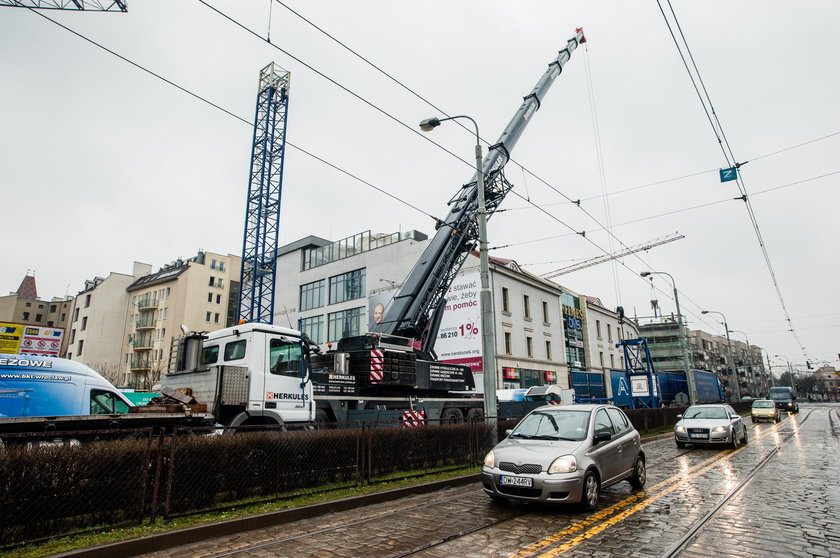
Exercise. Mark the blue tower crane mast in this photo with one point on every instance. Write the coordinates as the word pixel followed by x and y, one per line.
pixel 262 212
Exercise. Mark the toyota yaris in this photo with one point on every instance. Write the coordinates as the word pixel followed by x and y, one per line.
pixel 565 454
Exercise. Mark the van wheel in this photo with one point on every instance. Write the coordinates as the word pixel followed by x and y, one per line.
pixel 639 473
pixel 591 489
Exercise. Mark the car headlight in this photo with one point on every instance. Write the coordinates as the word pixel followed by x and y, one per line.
pixel 790 404
pixel 490 459
pixel 680 428
pixel 719 429
pixel 563 464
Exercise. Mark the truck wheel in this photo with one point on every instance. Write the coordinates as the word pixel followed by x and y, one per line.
pixel 451 415
pixel 475 415
pixel 322 420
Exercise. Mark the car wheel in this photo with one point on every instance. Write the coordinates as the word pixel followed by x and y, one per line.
pixel 777 419
pixel 639 473
pixel 591 490
pixel 734 442
pixel 745 436
pixel 754 421
pixel 680 444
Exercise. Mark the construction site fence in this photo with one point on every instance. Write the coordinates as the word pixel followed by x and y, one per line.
pixel 88 480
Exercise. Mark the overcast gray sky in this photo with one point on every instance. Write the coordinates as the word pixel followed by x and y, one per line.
pixel 103 164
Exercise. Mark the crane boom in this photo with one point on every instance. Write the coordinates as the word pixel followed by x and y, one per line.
pixel 607 257
pixel 78 5
pixel 416 309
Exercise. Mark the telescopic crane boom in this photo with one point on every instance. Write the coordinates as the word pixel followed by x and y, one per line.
pixel 418 306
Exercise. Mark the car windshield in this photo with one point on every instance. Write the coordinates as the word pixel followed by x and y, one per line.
pixel 553 425
pixel 763 405
pixel 705 413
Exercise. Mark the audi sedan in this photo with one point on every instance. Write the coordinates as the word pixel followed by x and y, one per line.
pixel 716 424
pixel 565 454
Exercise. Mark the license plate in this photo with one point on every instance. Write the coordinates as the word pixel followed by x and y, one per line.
pixel 516 481
pixel 698 435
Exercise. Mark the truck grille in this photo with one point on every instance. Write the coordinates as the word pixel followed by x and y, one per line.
pixel 530 468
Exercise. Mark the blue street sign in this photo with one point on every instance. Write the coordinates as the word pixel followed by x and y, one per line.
pixel 728 174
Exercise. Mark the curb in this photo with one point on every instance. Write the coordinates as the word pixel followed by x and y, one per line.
pixel 164 541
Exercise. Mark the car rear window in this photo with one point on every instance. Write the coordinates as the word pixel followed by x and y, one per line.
pixel 762 404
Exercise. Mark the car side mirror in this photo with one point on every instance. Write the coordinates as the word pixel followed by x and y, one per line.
pixel 679 417
pixel 602 437
pixel 508 431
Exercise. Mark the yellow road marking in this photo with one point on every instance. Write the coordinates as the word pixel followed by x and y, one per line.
pixel 691 473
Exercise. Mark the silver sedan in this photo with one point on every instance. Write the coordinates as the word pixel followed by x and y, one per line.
pixel 717 424
pixel 565 454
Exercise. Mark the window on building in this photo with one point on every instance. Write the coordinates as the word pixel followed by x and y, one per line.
pixel 28 304
pixel 505 300
pixel 609 333
pixel 220 282
pixel 218 299
pixel 221 266
pixel 526 301
pixel 81 346
pixel 212 281
pixel 63 316
pixel 76 315
pixel 347 286
pixel 212 264
pixel 529 346
pixel 39 317
pixel 598 328
pixel 207 317
pixel 26 315
pixel 312 295
pixel 548 349
pixel 612 361
pixel 53 308
pixel 84 323
pixel 313 327
pixel 40 307
pixel 545 312
pixel 72 336
pixel 209 297
pixel 87 301
pixel 508 343
pixel 345 324
pixel 601 358
pixel 50 323
pixel 216 318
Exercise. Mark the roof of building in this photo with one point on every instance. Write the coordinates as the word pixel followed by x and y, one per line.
pixel 162 276
pixel 27 288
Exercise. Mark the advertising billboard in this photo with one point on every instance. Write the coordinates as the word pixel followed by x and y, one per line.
pixel 459 337
pixel 21 339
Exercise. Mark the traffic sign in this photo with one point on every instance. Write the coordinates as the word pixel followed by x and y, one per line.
pixel 729 174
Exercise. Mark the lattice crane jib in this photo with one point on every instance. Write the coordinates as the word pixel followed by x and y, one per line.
pixel 262 212
pixel 77 5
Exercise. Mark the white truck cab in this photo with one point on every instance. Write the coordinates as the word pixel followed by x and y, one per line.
pixel 247 374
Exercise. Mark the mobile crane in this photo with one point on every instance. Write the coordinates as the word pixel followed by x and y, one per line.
pixel 258 373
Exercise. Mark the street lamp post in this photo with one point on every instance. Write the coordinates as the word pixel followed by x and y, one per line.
pixel 729 350
pixel 488 335
pixel 689 378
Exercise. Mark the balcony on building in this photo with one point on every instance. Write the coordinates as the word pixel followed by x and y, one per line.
pixel 145 321
pixel 147 303
pixel 143 343
pixel 140 364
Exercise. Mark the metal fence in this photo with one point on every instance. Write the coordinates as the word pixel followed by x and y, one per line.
pixel 50 487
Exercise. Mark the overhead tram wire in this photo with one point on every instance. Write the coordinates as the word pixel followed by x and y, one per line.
pixel 728 154
pixel 229 113
pixel 577 202
pixel 377 68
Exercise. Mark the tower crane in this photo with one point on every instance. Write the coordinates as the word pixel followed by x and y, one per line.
pixel 262 212
pixel 607 257
pixel 78 5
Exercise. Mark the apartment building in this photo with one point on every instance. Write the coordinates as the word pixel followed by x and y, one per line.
pixel 199 293
pixel 25 307
pixel 98 319
pixel 711 352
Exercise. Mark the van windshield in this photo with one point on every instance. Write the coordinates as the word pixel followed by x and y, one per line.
pixel 780 395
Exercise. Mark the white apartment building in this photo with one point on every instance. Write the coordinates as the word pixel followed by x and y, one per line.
pixel 605 329
pixel 334 289
pixel 97 321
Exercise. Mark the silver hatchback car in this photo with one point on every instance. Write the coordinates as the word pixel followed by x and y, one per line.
pixel 565 454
